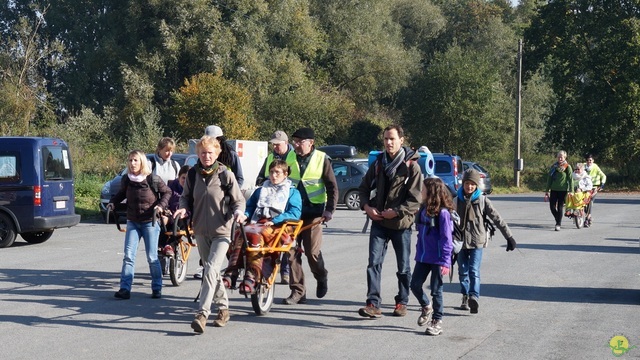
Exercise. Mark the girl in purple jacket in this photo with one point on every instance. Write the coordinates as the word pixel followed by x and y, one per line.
pixel 433 251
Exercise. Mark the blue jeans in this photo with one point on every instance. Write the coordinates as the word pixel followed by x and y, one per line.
pixel 149 232
pixel 378 242
pixel 469 271
pixel 420 273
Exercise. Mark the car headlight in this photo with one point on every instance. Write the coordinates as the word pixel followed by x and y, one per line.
pixel 106 190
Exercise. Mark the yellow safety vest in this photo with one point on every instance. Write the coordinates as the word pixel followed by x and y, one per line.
pixel 290 160
pixel 312 178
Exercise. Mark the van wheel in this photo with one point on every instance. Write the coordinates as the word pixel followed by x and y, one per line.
pixel 7 231
pixel 37 237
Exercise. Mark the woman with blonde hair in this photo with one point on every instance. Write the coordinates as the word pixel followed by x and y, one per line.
pixel 144 192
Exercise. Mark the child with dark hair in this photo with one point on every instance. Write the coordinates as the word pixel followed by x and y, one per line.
pixel 433 251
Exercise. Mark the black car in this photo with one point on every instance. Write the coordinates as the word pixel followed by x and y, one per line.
pixel 113 186
pixel 349 174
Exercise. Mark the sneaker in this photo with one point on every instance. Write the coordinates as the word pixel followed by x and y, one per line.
pixel 370 311
pixel 295 298
pixel 586 223
pixel 465 303
pixel 123 294
pixel 322 289
pixel 168 251
pixel 557 227
pixel 199 323
pixel 473 304
pixel 222 319
pixel 284 279
pixel 424 318
pixel 198 274
pixel 156 294
pixel 400 310
pixel 434 328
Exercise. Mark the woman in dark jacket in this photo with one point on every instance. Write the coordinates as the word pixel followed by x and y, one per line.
pixel 144 193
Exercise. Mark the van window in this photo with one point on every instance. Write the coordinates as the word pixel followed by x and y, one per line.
pixel 9 162
pixel 55 163
pixel 442 167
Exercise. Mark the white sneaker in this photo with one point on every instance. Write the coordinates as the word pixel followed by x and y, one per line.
pixel 198 274
pixel 557 227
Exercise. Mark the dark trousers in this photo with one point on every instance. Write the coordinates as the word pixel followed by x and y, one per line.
pixel 311 243
pixel 556 204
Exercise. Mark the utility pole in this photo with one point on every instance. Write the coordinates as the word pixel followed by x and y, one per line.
pixel 518 163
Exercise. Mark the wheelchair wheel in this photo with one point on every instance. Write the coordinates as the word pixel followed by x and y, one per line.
pixel 262 299
pixel 178 267
pixel 579 220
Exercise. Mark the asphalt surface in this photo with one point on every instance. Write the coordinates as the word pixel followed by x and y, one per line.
pixel 560 295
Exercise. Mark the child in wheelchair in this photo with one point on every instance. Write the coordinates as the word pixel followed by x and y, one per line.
pixel 275 202
pixel 166 241
pixel 583 186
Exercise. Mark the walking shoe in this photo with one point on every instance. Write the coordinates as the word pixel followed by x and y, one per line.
pixel 400 310
pixel 322 289
pixel 295 298
pixel 199 323
pixel 567 213
pixel 557 227
pixel 168 251
pixel 123 294
pixel 434 328
pixel 222 319
pixel 424 318
pixel 156 294
pixel 473 304
pixel 370 311
pixel 465 303
pixel 198 274
pixel 284 279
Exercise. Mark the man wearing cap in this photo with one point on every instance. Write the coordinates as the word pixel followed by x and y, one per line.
pixel 282 150
pixel 391 193
pixel 313 176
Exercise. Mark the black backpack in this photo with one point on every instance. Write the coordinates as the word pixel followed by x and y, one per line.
pixel 225 184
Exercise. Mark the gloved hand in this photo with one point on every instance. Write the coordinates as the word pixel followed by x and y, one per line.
pixel 511 244
pixel 602 186
pixel 327 215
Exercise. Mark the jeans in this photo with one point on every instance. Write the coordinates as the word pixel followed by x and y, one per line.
pixel 469 271
pixel 378 242
pixel 149 233
pixel 420 273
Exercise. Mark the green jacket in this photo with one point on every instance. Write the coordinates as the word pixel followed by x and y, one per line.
pixel 560 180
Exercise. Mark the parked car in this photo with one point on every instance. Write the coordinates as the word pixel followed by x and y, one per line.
pixel 36 189
pixel 448 167
pixel 113 186
pixel 485 177
pixel 349 175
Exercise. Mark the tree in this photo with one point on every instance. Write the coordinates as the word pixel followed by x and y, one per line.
pixel 207 99
pixel 592 52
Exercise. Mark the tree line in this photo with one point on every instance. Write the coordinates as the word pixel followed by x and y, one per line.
pixel 109 75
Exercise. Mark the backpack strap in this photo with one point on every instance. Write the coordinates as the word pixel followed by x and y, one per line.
pixel 152 181
pixel 225 185
pixel 191 180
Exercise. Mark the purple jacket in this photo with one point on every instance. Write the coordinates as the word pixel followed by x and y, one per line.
pixel 174 200
pixel 434 244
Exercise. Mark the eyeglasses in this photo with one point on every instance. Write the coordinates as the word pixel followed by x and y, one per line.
pixel 299 141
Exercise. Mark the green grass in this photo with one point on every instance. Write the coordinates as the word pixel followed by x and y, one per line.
pixel 88 189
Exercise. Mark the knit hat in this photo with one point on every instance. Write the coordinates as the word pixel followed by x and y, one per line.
pixel 304 133
pixel 472 175
pixel 213 131
pixel 279 137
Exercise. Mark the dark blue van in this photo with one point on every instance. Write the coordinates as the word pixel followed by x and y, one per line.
pixel 36 189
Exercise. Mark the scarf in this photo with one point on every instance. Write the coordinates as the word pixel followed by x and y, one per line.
pixel 272 200
pixel 390 166
pixel 206 172
pixel 558 167
pixel 469 213
pixel 137 178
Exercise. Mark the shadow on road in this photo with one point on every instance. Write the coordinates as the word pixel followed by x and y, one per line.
pixel 608 249
pixel 563 294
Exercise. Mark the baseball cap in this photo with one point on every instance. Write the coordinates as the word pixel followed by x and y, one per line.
pixel 278 137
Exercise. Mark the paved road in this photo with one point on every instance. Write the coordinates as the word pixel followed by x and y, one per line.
pixel 559 295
